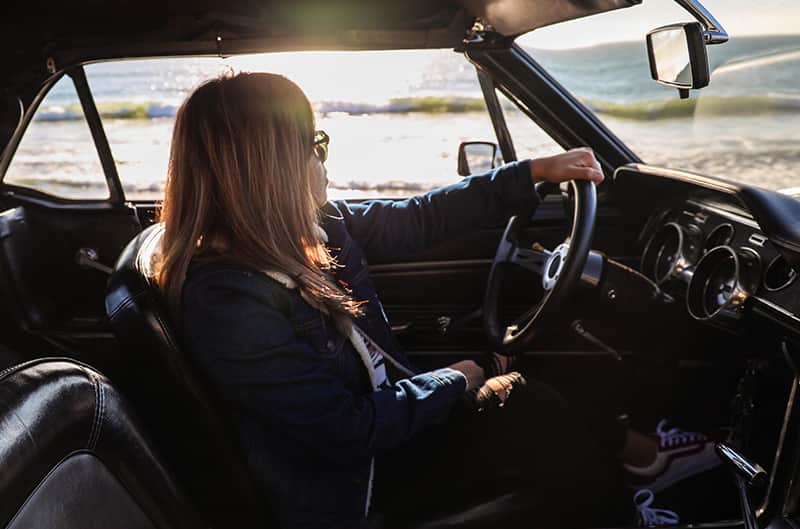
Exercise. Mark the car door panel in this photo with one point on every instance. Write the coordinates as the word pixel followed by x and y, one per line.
pixel 52 235
pixel 434 299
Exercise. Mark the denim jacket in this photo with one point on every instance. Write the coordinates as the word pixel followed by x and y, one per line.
pixel 298 391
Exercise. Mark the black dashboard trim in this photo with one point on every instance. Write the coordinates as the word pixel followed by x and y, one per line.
pixel 776 314
pixel 777 215
pixel 708 182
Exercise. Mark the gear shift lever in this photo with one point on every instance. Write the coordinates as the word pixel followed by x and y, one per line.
pixel 753 474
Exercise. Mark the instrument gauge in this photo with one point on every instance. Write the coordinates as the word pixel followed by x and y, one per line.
pixel 721 283
pixel 671 252
pixel 722 235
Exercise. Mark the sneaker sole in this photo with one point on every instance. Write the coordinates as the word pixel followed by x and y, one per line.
pixel 682 468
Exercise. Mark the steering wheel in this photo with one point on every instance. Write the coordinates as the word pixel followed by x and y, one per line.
pixel 559 269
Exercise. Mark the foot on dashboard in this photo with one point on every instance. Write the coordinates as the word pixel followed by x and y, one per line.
pixel 681 454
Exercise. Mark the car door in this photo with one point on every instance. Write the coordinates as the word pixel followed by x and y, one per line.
pixel 63 221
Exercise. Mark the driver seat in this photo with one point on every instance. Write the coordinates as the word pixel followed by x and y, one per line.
pixel 180 410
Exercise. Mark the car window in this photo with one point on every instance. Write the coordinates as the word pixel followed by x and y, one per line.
pixel 56 154
pixel 530 141
pixel 395 118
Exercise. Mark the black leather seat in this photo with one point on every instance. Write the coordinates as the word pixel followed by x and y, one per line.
pixel 72 455
pixel 183 414
pixel 24 261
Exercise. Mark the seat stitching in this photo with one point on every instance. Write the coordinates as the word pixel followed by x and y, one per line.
pixel 90 444
pixel 102 415
pixel 172 345
pixel 128 301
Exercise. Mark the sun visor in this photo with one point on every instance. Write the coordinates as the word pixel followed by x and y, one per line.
pixel 514 17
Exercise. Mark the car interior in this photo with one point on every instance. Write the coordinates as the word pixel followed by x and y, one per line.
pixel 670 294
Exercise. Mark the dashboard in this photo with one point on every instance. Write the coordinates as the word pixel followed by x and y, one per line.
pixel 706 247
pixel 716 260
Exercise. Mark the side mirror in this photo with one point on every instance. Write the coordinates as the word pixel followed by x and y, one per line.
pixel 678 56
pixel 478 157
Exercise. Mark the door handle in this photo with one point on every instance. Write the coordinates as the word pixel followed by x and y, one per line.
pixel 88 258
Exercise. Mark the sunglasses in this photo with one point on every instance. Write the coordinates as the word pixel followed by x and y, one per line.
pixel 321 141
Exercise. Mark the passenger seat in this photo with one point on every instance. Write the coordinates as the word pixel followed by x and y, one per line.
pixel 73 456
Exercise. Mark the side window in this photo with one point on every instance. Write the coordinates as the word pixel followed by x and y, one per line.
pixel 530 141
pixel 57 154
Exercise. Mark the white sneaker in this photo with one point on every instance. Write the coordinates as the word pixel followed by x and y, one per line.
pixel 680 455
pixel 647 516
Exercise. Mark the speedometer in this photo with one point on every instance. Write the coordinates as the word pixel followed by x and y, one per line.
pixel 721 283
pixel 720 236
pixel 671 251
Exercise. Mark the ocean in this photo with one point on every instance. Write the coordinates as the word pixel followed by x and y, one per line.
pixel 396 118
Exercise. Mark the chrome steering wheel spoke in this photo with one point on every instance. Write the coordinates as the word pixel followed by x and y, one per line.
pixel 530 259
pixel 522 321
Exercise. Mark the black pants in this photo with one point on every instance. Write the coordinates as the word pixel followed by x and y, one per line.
pixel 531 463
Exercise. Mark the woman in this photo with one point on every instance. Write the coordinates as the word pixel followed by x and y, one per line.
pixel 270 284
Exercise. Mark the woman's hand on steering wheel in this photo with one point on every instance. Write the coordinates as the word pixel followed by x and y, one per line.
pixel 574 164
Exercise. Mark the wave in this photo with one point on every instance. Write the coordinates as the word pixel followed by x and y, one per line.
pixel 639 110
pixel 707 106
pixel 155 110
pixel 115 110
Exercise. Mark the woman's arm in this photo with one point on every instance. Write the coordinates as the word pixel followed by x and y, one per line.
pixel 387 229
pixel 251 353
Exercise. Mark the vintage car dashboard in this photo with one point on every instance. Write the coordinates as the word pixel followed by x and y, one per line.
pixel 712 247
pixel 716 260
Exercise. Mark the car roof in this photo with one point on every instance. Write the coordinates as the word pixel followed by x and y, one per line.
pixel 99 29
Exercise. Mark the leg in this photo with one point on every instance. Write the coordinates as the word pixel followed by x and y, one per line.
pixel 532 444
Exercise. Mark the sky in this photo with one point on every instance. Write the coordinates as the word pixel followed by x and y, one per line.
pixel 738 17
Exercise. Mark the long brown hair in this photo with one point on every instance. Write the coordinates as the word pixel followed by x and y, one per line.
pixel 239 187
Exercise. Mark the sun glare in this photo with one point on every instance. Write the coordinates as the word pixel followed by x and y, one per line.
pixel 366 77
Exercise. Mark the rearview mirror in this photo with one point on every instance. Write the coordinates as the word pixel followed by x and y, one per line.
pixel 678 56
pixel 478 157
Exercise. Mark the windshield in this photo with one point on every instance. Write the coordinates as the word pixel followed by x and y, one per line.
pixel 742 127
